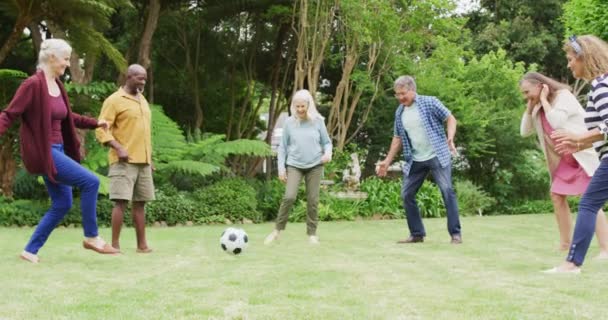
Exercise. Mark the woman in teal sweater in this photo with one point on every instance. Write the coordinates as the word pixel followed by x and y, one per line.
pixel 305 146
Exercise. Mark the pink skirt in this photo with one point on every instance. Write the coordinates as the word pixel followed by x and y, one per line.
pixel 569 178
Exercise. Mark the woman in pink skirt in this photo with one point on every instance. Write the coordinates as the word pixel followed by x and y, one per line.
pixel 551 106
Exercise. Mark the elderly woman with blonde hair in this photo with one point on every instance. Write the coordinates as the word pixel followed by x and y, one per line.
pixel 50 147
pixel 552 106
pixel 305 146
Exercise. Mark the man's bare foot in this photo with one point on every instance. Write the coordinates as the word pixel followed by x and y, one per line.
pixel 143 250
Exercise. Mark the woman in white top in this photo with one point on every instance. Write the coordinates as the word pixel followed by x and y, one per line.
pixel 551 106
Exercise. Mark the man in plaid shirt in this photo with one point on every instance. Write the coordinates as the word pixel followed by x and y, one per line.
pixel 419 130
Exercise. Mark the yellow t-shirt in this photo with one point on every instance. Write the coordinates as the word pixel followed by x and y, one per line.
pixel 129 123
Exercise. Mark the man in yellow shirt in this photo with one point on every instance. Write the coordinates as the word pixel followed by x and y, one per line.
pixel 129 135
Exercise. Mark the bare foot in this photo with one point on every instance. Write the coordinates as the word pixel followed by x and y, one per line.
pixel 565 267
pixel 143 250
pixel 603 255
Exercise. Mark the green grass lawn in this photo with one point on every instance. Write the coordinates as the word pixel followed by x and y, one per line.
pixel 358 272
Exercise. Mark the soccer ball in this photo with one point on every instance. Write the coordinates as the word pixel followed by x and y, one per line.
pixel 234 240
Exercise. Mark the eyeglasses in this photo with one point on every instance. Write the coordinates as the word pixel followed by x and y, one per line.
pixel 401 94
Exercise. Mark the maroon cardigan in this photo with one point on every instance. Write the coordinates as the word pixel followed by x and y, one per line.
pixel 31 104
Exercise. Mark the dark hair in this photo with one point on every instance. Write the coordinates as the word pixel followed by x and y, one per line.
pixel 554 85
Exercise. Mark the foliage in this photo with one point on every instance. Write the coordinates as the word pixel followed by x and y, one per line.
pixel 27 186
pixel 585 17
pixel 341 160
pixel 96 90
pixel 472 200
pixel 172 207
pixel 175 157
pixel 383 197
pixel 269 196
pixel 508 25
pixel 168 140
pixel 233 199
pixel 329 209
pixel 21 212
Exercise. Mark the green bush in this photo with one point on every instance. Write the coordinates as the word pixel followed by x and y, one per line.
pixel 472 200
pixel 269 196
pixel 27 186
pixel 383 197
pixel 172 207
pixel 232 198
pixel 329 209
pixel 21 212
pixel 430 201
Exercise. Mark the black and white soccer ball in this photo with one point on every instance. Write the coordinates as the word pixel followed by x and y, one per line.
pixel 234 241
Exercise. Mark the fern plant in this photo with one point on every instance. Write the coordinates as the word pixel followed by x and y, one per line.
pixel 174 155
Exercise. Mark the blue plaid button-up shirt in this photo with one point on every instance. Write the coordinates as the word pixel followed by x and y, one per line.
pixel 433 114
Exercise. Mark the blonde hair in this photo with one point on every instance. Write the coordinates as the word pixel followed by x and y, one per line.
pixel 538 78
pixel 52 47
pixel 311 110
pixel 592 52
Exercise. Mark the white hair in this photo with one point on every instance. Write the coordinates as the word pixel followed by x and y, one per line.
pixel 406 82
pixel 306 97
pixel 52 47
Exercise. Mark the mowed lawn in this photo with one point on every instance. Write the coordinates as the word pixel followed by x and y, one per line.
pixel 358 272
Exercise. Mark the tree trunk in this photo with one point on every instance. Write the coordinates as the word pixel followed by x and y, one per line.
pixel 13 38
pixel 8 165
pixel 145 43
pixel 34 27
pixel 313 39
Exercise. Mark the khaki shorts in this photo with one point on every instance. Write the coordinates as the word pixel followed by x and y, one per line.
pixel 131 182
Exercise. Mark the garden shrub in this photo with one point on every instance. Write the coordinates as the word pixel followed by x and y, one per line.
pixel 27 186
pixel 472 200
pixel 232 198
pixel 21 212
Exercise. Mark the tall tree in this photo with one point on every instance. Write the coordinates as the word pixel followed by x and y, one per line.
pixel 529 31
pixel 83 19
pixel 313 25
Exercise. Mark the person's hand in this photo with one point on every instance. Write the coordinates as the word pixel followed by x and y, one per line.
pixel 566 142
pixel 382 168
pixel 122 154
pixel 567 148
pixel 102 124
pixel 283 177
pixel 544 92
pixel 529 106
pixel 325 158
pixel 452 147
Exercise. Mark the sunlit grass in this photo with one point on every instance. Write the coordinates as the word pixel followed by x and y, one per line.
pixel 358 272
